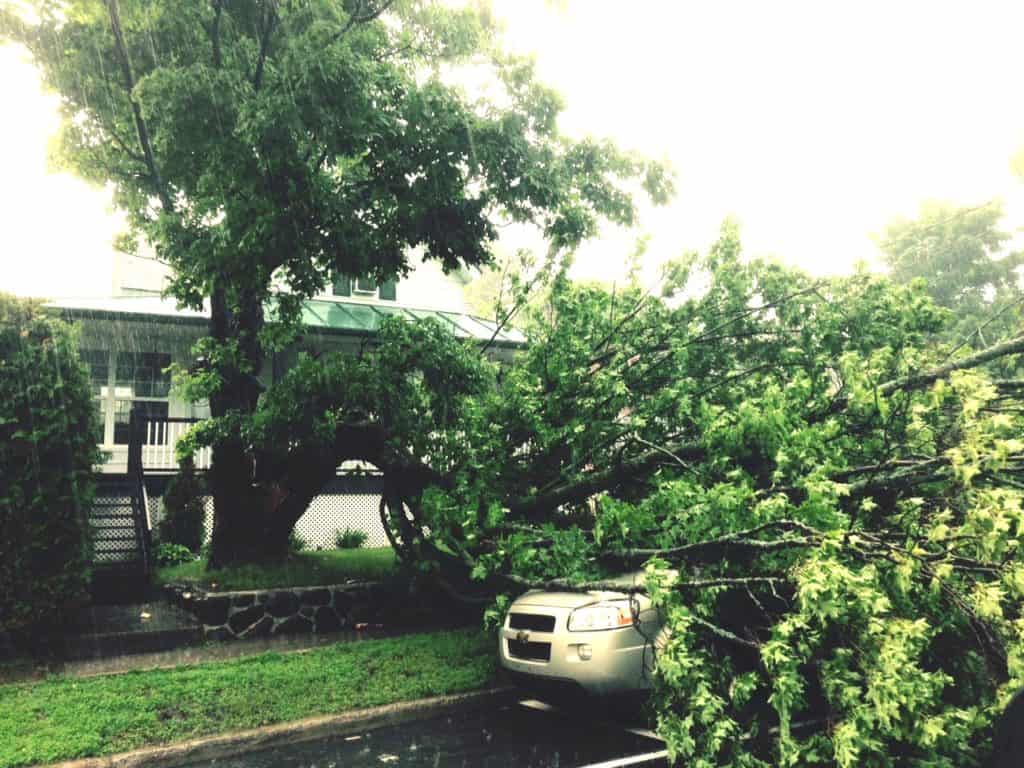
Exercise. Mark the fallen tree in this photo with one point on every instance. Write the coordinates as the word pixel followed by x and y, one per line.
pixel 828 510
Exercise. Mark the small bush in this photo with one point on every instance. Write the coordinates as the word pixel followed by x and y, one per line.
pixel 350 538
pixel 296 543
pixel 47 451
pixel 184 509
pixel 173 554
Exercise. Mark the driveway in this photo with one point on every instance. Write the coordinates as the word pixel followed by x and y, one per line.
pixel 527 734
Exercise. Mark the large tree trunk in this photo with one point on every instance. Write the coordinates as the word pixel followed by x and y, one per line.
pixel 252 521
pixel 256 506
pixel 239 521
pixel 243 513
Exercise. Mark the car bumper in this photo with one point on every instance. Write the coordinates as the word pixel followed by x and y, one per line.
pixel 620 659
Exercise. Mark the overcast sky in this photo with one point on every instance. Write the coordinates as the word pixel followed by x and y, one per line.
pixel 813 123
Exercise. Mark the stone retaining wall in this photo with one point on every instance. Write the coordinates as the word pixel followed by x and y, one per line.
pixel 230 615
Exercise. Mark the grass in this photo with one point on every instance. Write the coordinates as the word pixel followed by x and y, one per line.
pixel 305 569
pixel 66 718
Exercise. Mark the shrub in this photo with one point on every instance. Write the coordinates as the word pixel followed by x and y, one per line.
pixel 173 554
pixel 47 451
pixel 184 509
pixel 296 543
pixel 350 538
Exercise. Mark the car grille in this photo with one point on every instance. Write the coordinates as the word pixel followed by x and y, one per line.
pixel 534 621
pixel 529 650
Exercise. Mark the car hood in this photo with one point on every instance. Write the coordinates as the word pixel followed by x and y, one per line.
pixel 564 599
pixel 554 599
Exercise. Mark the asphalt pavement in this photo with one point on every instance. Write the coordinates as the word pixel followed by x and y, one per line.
pixel 526 734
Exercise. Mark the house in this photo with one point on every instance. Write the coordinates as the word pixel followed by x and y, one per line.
pixel 129 339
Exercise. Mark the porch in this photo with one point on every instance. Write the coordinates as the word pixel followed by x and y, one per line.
pixel 157 446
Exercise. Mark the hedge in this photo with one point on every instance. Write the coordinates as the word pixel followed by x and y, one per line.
pixel 47 451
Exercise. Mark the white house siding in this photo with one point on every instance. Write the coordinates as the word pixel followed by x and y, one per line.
pixel 426 286
pixel 110 340
pixel 139 275
pixel 149 324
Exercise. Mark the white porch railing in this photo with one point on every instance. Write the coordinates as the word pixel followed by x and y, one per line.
pixel 159 440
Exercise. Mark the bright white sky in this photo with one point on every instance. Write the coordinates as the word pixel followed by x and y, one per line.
pixel 812 123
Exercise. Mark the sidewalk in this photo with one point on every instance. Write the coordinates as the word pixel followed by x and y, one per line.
pixel 110 639
pixel 213 651
pixel 104 631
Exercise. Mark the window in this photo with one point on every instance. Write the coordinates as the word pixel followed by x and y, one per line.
pixel 141 374
pixel 100 428
pixel 121 381
pixel 343 285
pixel 97 361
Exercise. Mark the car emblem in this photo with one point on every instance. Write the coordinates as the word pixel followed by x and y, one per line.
pixel 522 636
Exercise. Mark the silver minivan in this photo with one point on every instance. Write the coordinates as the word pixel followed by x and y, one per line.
pixel 598 643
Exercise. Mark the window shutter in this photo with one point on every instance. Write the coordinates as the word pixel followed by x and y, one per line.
pixel 387 290
pixel 342 285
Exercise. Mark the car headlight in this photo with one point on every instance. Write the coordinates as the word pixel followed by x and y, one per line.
pixel 610 614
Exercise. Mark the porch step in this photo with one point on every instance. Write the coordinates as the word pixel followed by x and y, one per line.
pixel 106 540
pixel 119 575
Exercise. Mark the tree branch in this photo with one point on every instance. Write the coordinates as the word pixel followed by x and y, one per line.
pixel 917 381
pixel 710 333
pixel 586 486
pixel 141 129
pixel 268 23
pixel 359 16
pixel 565 585
pixel 740 540
pixel 218 8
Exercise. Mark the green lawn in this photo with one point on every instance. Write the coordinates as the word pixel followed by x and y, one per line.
pixel 304 569
pixel 65 718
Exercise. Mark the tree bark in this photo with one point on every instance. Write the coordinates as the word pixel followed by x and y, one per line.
pixel 244 514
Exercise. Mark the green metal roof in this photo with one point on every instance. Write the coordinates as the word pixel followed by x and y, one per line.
pixel 340 316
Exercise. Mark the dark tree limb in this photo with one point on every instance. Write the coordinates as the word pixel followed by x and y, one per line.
pixel 385 521
pixel 724 634
pixel 1013 346
pixel 668 452
pixel 978 331
pixel 600 480
pixel 741 540
pixel 123 144
pixel 710 333
pixel 114 11
pixel 218 8
pixel 617 328
pixel 362 15
pixel 567 585
pixel 267 25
